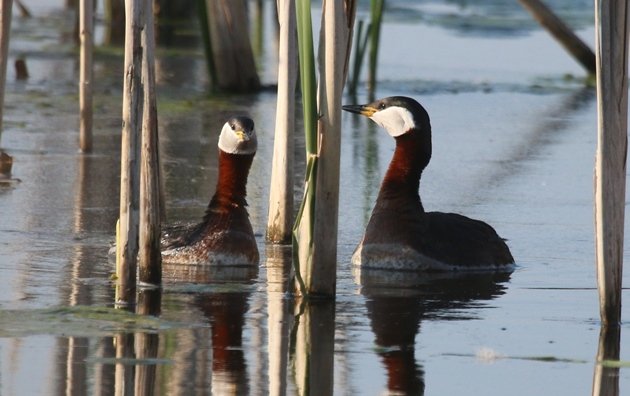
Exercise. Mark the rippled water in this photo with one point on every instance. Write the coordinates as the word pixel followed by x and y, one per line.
pixel 514 133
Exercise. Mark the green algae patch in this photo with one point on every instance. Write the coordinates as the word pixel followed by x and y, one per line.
pixel 488 355
pixel 80 321
pixel 129 361
pixel 549 359
pixel 615 363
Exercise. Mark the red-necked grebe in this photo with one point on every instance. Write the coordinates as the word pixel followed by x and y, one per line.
pixel 225 235
pixel 400 234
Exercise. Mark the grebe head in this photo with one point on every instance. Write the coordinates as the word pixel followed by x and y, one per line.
pixel 397 114
pixel 238 136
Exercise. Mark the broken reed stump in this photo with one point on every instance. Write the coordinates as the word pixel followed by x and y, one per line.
pixel 24 11
pixel 5 32
pixel 138 231
pixel 232 55
pixel 21 71
pixel 114 26
pixel 6 164
pixel 149 255
pixel 558 29
pixel 86 38
pixel 132 108
pixel 611 39
pixel 280 219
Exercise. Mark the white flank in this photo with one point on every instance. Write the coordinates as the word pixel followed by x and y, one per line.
pixel 394 256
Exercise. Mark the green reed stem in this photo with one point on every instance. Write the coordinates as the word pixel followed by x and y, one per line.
pixel 376 11
pixel 360 45
pixel 308 84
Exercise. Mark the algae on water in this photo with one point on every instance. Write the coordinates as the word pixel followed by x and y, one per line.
pixel 79 321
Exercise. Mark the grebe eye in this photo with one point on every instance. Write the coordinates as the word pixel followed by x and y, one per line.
pixel 232 126
pixel 381 106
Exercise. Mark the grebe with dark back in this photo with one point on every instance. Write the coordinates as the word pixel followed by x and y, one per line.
pixel 400 233
pixel 225 235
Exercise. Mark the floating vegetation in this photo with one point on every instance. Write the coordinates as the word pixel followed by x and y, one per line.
pixel 489 355
pixel 541 85
pixel 129 361
pixel 79 321
pixel 615 363
pixel 486 18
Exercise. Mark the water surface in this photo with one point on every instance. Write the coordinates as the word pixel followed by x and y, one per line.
pixel 514 135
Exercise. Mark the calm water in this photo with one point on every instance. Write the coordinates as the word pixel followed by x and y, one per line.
pixel 514 144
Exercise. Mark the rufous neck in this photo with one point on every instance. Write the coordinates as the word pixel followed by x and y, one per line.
pixel 232 181
pixel 411 156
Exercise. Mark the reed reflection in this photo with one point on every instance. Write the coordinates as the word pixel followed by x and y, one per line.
pixel 147 344
pixel 397 302
pixel 279 315
pixel 72 352
pixel 135 369
pixel 104 374
pixel 312 349
pixel 606 376
pixel 125 370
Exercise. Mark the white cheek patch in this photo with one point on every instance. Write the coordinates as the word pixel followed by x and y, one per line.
pixel 229 142
pixel 396 120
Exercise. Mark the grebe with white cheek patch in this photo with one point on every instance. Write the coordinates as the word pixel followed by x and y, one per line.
pixel 400 234
pixel 225 235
